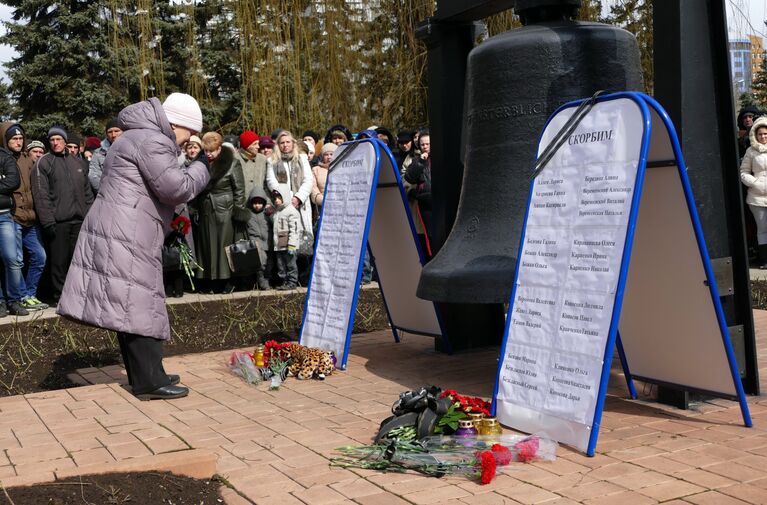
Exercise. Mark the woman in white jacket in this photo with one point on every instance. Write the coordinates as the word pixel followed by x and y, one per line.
pixel 753 173
pixel 288 171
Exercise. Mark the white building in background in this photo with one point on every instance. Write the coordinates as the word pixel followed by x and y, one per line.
pixel 740 65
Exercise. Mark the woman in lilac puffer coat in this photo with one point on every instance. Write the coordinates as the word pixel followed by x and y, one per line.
pixel 115 280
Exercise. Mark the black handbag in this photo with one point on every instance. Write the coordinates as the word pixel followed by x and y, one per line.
pixel 243 257
pixel 171 258
pixel 305 239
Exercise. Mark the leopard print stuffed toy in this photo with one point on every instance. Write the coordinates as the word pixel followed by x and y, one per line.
pixel 308 362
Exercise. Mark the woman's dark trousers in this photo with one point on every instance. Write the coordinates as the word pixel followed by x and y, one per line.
pixel 143 362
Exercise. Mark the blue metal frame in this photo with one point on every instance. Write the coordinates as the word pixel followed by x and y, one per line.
pixel 625 364
pixel 644 102
pixel 627 247
pixel 682 169
pixel 421 257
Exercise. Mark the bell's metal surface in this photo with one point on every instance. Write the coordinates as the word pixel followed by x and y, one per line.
pixel 515 81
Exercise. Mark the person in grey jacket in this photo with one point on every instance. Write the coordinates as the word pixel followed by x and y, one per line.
pixel 96 167
pixel 115 281
pixel 260 232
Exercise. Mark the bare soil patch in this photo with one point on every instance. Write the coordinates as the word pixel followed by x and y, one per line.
pixel 37 355
pixel 145 488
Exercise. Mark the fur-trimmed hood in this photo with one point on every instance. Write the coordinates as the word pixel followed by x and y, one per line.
pixel 760 122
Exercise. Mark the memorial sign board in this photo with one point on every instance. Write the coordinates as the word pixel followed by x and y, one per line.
pixel 573 265
pixel 364 202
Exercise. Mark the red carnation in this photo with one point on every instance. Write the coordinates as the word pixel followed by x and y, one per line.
pixel 181 224
pixel 487 466
pixel 503 454
pixel 527 449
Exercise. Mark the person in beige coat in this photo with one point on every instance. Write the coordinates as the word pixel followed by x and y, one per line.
pixel 753 173
pixel 321 173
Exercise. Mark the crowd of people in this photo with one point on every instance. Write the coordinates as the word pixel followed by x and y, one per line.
pixel 752 149
pixel 265 189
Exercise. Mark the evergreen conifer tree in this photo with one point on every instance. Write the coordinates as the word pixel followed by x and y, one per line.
pixel 747 99
pixel 60 74
pixel 759 86
pixel 635 16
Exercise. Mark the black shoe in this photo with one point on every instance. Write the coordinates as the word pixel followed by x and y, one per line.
pixel 15 309
pixel 286 287
pixel 164 393
pixel 174 379
pixel 3 310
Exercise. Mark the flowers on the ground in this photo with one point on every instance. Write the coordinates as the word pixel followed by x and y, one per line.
pixel 468 403
pixel 487 464
pixel 503 454
pixel 274 348
pixel 448 423
pixel 445 455
pixel 241 363
pixel 527 449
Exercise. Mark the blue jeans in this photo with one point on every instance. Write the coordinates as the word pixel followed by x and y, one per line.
pixel 28 239
pixel 13 259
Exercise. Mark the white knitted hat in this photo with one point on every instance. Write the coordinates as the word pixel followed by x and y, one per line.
pixel 183 110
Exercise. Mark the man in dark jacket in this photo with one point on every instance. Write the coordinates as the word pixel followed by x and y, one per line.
pixel 9 182
pixel 746 118
pixel 62 195
pixel 27 234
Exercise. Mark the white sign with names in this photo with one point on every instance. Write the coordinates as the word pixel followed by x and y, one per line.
pixel 568 273
pixel 335 275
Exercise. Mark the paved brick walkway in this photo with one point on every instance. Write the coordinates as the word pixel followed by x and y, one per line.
pixel 273 447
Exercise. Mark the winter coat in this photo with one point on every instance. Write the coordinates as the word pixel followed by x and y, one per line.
pixel 253 170
pixel 221 215
pixel 60 188
pixel 115 280
pixel 9 181
pixel 338 127
pixel 753 168
pixel 320 180
pixel 286 225
pixel 419 175
pixel 96 166
pixel 259 225
pixel 24 206
pixel 292 178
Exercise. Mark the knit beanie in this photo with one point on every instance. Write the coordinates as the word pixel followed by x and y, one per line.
pixel 311 133
pixel 113 123
pixel 57 130
pixel 35 143
pixel 92 143
pixel 328 148
pixel 196 140
pixel 14 130
pixel 266 141
pixel 248 137
pixel 183 110
pixel 73 138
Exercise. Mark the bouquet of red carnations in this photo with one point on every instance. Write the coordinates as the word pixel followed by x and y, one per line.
pixel 181 226
pixel 446 455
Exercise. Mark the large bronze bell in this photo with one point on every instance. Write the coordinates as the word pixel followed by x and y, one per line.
pixel 515 81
